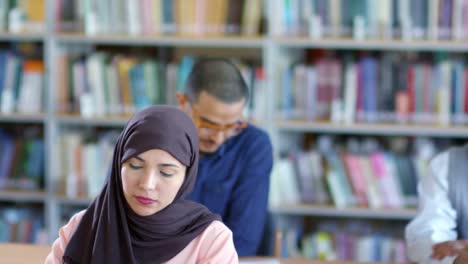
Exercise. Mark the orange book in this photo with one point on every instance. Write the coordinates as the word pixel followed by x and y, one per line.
pixel 124 65
pixel 33 66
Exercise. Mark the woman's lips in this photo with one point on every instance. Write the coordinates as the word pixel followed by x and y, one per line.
pixel 145 200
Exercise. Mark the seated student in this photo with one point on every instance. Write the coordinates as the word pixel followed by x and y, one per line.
pixel 141 215
pixel 439 232
pixel 236 156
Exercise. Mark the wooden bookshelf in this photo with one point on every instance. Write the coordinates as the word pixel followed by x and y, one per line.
pixel 73 201
pixel 372 44
pixel 373 129
pixel 331 211
pixel 163 40
pixel 72 119
pixel 15 37
pixel 270 49
pixel 23 196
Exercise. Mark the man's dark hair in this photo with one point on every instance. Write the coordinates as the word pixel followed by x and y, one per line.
pixel 219 78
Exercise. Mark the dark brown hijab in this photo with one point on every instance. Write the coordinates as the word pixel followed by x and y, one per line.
pixel 110 232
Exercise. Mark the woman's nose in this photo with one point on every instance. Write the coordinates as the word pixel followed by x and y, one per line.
pixel 149 181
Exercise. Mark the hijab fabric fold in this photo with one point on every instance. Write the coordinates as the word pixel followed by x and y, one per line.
pixel 110 232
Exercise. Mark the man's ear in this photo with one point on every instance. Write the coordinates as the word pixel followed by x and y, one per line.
pixel 181 101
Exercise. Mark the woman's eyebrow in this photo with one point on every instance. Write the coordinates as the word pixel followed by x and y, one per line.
pixel 168 165
pixel 139 158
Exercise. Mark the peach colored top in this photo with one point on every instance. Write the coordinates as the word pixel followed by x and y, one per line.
pixel 214 245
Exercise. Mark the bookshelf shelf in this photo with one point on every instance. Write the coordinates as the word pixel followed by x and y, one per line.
pixel 373 129
pixel 22 118
pixel 330 211
pixel 350 44
pixel 187 41
pixel 5 36
pixel 22 196
pixel 77 201
pixel 93 121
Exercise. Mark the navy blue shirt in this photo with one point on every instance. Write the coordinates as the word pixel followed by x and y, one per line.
pixel 234 181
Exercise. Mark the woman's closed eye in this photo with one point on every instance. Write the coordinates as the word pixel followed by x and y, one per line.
pixel 167 173
pixel 135 166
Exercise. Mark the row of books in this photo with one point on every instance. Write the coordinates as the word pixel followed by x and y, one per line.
pixel 85 160
pixel 22 225
pixel 382 87
pixel 103 84
pixel 22 159
pixel 368 19
pixel 17 16
pixel 22 83
pixel 150 17
pixel 347 240
pixel 353 172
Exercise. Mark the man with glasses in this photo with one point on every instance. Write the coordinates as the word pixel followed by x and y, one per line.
pixel 236 157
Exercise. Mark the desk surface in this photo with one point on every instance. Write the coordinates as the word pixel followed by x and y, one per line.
pixel 23 253
pixel 266 260
pixel 26 253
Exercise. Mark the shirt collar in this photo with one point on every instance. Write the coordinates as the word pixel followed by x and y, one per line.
pixel 218 154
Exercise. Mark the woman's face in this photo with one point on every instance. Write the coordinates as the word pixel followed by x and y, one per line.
pixel 151 181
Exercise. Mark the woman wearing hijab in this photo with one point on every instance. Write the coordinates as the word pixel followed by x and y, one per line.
pixel 141 216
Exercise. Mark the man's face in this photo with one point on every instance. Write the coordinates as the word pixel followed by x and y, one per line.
pixel 216 121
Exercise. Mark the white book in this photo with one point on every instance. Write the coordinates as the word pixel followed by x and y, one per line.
pixel 294 15
pixel 311 93
pixel 283 184
pixel 104 16
pixel 300 91
pixel 72 142
pixel 335 17
pixel 337 194
pixel 3 14
pixel 372 14
pixel 350 91
pixel 364 249
pixel 336 110
pixel 171 83
pixel 260 111
pixel 91 19
pixel 307 12
pixel 11 71
pixel 457 19
pixel 157 15
pixel 405 19
pixel 87 162
pixel 95 74
pixel 316 27
pixel 30 93
pixel 121 24
pixel 444 94
pixel 433 22
pixel 392 171
pixel 114 106
pixel 384 18
pixel 134 17
pixel 96 168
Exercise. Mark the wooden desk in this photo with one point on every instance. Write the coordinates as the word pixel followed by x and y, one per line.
pixel 11 253
pixel 22 253
pixel 264 260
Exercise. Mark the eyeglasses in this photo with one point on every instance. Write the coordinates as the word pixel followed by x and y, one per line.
pixel 208 128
